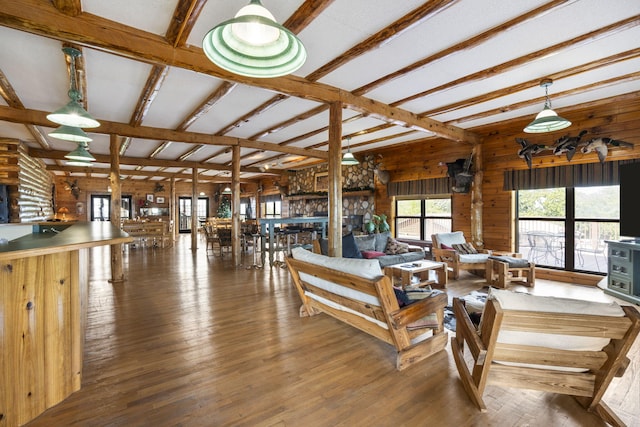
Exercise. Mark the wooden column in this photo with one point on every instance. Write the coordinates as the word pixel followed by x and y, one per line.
pixel 476 197
pixel 235 206
pixel 194 209
pixel 173 217
pixel 334 231
pixel 117 273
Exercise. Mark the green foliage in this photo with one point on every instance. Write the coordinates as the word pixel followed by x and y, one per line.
pixel 224 208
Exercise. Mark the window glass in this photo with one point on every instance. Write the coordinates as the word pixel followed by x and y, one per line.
pixel 438 207
pixel 598 202
pixel 418 219
pixel 545 203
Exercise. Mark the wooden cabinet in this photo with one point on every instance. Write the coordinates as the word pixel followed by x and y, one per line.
pixel 624 270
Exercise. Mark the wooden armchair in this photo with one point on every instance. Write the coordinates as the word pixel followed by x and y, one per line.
pixel 547 344
pixel 446 249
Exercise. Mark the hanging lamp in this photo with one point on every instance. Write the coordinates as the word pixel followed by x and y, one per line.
pixel 253 44
pixel 80 156
pixel 227 190
pixel 547 120
pixel 73 114
pixel 70 133
pixel 349 158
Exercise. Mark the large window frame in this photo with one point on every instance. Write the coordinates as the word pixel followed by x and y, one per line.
pixel 427 222
pixel 567 241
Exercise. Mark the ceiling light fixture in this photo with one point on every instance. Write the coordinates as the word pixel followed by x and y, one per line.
pixel 253 44
pixel 227 190
pixel 348 158
pixel 547 120
pixel 80 156
pixel 73 114
pixel 70 133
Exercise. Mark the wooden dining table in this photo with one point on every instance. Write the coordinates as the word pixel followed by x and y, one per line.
pixel 267 227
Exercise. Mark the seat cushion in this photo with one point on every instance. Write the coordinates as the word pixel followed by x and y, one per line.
pixel 513 262
pixel 474 258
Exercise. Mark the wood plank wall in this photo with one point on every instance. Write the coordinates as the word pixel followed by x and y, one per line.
pixel 30 186
pixel 618 119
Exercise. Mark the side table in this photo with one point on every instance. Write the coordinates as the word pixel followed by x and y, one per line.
pixel 419 269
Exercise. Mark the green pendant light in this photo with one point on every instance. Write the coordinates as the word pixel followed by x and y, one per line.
pixel 349 158
pixel 73 114
pixel 547 120
pixel 80 156
pixel 70 133
pixel 253 44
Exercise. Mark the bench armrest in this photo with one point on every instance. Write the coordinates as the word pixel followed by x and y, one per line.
pixel 416 311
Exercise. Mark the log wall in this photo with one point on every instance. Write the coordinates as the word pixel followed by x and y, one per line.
pixel 30 186
pixel 618 119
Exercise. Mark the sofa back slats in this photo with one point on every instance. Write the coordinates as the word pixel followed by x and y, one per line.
pixel 373 311
pixel 566 324
pixel 343 279
pixel 514 353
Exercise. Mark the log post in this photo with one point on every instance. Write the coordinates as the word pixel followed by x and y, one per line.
pixel 117 273
pixel 194 209
pixel 335 180
pixel 476 197
pixel 235 205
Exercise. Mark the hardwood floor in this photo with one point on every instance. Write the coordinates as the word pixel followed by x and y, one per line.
pixel 190 341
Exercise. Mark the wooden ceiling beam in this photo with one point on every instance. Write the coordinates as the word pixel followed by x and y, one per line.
pixel 184 18
pixel 584 39
pixel 145 132
pixel 35 16
pixel 13 100
pixel 465 45
pixel 583 68
pixel 137 161
pixel 129 172
pixel 68 7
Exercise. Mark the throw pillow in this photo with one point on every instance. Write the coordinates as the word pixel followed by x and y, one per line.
pixel 349 247
pixel 372 254
pixel 394 247
pixel 465 248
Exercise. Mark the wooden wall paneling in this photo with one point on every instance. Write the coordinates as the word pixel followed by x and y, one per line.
pixel 56 310
pixel 23 335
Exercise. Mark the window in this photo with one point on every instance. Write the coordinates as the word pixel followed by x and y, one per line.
pixel 567 228
pixel 418 219
pixel 271 207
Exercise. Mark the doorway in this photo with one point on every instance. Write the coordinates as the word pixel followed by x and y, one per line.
pixel 184 212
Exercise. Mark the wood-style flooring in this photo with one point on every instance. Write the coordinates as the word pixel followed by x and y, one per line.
pixel 189 340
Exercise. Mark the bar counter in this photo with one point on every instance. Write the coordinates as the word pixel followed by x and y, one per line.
pixel 43 301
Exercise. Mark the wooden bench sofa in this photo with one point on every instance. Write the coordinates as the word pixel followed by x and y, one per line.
pixel 356 292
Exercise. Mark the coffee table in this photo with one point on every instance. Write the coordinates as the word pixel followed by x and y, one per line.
pixel 420 269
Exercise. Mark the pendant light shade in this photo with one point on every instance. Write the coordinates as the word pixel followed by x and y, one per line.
pixel 80 156
pixel 73 114
pixel 253 44
pixel 348 158
pixel 547 120
pixel 70 133
pixel 226 190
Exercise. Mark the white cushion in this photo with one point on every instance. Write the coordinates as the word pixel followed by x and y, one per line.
pixel 367 268
pixel 450 239
pixel 473 258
